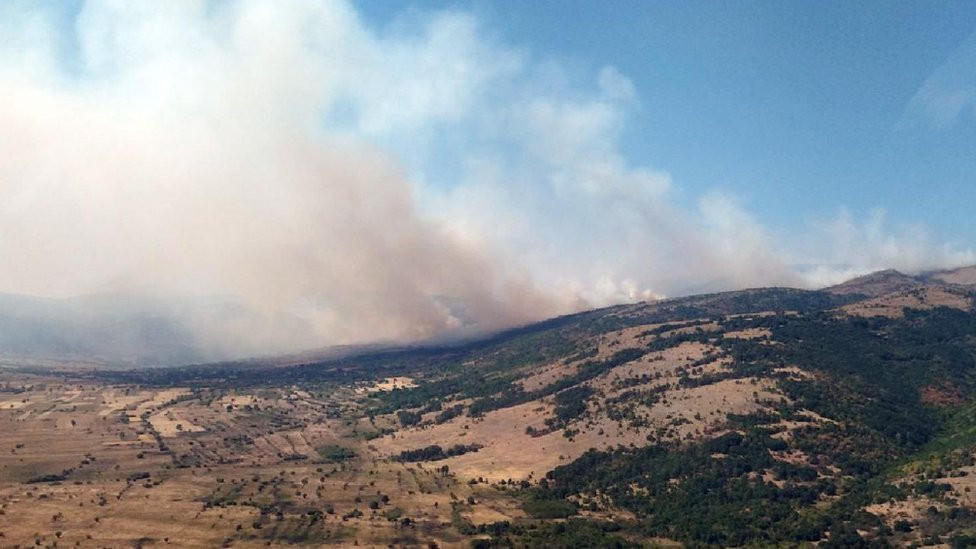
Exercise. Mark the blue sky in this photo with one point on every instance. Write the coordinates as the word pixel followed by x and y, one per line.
pixel 797 107
pixel 349 171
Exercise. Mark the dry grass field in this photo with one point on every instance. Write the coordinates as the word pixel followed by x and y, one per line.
pixel 91 464
pixel 84 465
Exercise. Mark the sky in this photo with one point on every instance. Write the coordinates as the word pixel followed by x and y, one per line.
pixel 798 108
pixel 345 171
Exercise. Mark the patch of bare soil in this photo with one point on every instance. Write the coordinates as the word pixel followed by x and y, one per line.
pixel 941 396
pixel 749 333
pixel 388 384
pixel 923 298
pixel 548 374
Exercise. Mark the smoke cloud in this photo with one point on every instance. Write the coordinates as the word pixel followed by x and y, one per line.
pixel 341 184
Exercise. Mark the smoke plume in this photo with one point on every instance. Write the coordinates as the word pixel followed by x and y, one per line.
pixel 327 182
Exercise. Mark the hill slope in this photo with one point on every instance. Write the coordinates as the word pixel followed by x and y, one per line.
pixel 761 417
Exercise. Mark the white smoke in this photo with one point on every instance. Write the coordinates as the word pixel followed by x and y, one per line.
pixel 343 184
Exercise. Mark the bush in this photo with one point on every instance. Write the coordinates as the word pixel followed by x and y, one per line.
pixel 335 453
pixel 549 508
pixel 408 418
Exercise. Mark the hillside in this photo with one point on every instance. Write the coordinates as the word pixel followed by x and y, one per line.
pixel 876 284
pixel 774 416
pixel 965 276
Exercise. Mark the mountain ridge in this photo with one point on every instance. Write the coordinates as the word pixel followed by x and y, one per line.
pixel 108 333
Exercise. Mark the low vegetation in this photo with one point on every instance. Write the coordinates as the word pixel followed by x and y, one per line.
pixel 768 417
